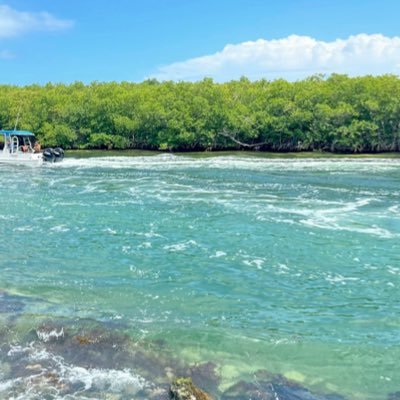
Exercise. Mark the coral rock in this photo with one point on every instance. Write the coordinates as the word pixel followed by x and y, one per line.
pixel 184 389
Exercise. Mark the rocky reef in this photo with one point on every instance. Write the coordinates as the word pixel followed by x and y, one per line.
pixel 85 359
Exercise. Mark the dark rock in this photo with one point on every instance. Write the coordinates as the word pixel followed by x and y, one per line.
pixel 151 365
pixel 204 375
pixel 271 387
pixel 184 389
pixel 93 346
pixel 394 396
pixel 154 393
pixel 248 390
pixel 96 348
pixel 10 304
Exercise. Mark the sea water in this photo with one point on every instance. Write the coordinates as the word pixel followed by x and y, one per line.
pixel 286 265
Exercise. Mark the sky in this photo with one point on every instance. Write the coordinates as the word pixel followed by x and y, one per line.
pixel 62 41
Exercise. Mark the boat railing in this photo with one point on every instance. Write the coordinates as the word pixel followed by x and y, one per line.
pixel 14 144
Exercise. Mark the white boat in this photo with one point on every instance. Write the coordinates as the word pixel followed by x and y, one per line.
pixel 21 147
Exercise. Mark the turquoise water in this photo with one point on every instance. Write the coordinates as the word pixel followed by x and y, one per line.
pixel 290 266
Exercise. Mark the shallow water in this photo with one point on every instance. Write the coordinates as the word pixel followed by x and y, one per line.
pixel 289 266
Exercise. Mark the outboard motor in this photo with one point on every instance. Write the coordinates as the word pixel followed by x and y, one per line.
pixel 48 155
pixel 53 155
pixel 59 154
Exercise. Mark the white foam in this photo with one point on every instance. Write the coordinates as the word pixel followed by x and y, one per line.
pixel 218 254
pixel 393 270
pixel 254 163
pixel 394 209
pixel 7 385
pixel 145 245
pixel 342 217
pixel 27 228
pixel 266 205
pixel 47 336
pixel 125 381
pixel 16 350
pixel 256 262
pixel 117 381
pixel 126 249
pixel 110 231
pixel 338 278
pixel 182 246
pixel 59 228
pixel 144 273
pixel 151 234
pixel 7 217
pixel 283 269
pixel 332 224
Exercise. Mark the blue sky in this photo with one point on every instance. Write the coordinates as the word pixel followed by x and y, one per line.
pixel 130 40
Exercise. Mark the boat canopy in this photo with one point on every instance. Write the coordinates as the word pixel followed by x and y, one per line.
pixel 16 133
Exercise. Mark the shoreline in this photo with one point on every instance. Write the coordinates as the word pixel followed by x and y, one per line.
pixel 251 154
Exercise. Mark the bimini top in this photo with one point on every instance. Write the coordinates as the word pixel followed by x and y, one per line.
pixel 17 133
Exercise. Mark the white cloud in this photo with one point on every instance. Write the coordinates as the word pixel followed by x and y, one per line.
pixel 294 57
pixel 15 23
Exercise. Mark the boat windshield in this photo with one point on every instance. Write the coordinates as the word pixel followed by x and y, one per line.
pixel 25 140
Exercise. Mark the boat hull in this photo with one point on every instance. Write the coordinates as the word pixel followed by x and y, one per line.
pixel 21 158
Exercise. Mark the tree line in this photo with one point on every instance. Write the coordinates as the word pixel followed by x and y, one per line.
pixel 336 114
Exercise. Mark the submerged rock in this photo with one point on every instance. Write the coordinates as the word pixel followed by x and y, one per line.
pixel 156 393
pixel 95 348
pixel 70 357
pixel 203 375
pixel 394 396
pixel 85 357
pixel 184 389
pixel 90 345
pixel 10 304
pixel 248 390
pixel 271 387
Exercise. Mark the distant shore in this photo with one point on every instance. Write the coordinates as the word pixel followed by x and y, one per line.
pixel 206 154
pixel 337 114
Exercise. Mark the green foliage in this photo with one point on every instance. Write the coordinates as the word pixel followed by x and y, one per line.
pixel 337 113
pixel 105 141
pixel 59 135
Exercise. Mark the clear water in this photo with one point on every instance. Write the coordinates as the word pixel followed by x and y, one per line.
pixel 290 266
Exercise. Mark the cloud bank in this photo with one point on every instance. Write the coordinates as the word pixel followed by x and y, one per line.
pixel 293 57
pixel 15 23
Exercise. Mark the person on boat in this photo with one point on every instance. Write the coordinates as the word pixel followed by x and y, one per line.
pixel 24 148
pixel 37 147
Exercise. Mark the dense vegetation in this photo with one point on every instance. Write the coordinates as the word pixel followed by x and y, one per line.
pixel 338 114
